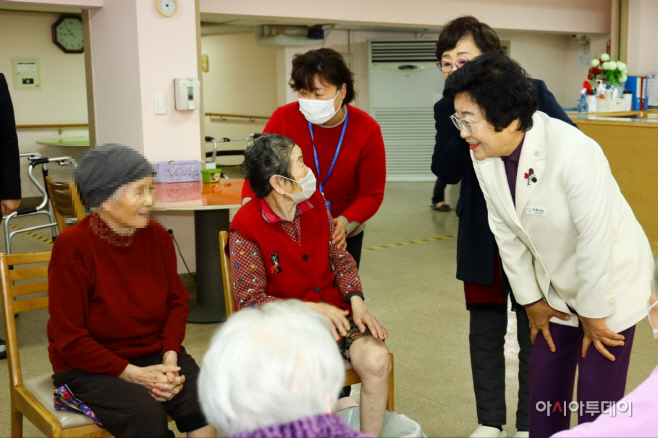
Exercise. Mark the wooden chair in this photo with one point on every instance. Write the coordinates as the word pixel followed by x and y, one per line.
pixel 351 378
pixel 65 199
pixel 33 398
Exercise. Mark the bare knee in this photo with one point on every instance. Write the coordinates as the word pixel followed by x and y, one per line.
pixel 371 358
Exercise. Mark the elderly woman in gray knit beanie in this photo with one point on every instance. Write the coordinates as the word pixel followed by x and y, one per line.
pixel 118 308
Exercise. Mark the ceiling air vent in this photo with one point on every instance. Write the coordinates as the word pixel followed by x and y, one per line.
pixel 403 51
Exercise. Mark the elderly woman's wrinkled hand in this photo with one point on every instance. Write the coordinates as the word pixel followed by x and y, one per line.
pixel 363 318
pixel 166 391
pixel 154 378
pixel 539 316
pixel 598 333
pixel 337 317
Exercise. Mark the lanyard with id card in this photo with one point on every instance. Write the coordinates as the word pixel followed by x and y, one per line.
pixel 317 162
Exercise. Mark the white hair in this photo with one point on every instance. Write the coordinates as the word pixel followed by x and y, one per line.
pixel 269 365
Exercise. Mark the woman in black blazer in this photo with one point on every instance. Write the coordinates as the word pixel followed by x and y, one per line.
pixel 478 264
pixel 10 178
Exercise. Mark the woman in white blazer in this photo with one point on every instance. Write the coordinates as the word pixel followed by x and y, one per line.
pixel 574 254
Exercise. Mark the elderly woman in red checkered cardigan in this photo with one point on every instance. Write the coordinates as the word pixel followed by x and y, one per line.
pixel 280 247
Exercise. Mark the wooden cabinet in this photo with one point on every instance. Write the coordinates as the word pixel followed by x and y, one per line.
pixel 632 151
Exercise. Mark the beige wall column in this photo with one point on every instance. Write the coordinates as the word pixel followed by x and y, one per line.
pixel 641 24
pixel 133 53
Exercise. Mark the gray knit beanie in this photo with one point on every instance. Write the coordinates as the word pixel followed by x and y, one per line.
pixel 106 168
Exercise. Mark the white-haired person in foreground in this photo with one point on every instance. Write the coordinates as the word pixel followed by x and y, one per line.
pixel 274 371
pixel 635 414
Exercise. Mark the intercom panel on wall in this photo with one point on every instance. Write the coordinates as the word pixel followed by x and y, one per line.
pixel 187 93
pixel 27 75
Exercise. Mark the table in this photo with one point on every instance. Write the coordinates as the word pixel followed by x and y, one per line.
pixel 65 141
pixel 211 204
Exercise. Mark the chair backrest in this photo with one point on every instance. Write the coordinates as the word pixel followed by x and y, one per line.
pixel 66 202
pixel 23 287
pixel 229 299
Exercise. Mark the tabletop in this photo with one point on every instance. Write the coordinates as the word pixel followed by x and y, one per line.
pixel 65 141
pixel 195 195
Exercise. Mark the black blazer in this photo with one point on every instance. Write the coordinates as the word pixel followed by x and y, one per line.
pixel 10 177
pixel 452 163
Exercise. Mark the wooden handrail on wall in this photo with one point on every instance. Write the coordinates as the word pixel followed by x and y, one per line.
pixel 61 125
pixel 236 116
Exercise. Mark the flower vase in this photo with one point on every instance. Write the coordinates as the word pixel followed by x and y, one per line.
pixel 619 87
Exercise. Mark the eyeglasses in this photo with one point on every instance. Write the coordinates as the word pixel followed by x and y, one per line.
pixel 447 66
pixel 465 124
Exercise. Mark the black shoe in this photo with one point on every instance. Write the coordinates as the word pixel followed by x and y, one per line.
pixel 3 349
pixel 444 207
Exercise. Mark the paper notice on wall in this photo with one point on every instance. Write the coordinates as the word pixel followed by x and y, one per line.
pixel 26 66
pixel 652 90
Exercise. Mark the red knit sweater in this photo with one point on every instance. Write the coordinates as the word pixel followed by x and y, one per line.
pixel 356 185
pixel 109 304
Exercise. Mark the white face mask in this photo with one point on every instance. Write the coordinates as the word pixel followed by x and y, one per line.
pixel 319 111
pixel 655 330
pixel 308 188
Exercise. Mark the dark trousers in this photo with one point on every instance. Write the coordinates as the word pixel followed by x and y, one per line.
pixel 488 327
pixel 127 409
pixel 552 377
pixel 439 192
pixel 354 245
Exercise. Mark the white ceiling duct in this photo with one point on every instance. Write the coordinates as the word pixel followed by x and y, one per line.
pixel 264 37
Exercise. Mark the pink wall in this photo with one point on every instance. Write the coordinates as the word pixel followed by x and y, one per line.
pixel 117 96
pixel 135 53
pixel 579 16
pixel 168 50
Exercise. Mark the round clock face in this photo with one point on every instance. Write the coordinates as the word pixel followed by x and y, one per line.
pixel 68 34
pixel 167 7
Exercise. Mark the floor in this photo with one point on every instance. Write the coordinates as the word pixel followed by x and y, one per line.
pixel 412 290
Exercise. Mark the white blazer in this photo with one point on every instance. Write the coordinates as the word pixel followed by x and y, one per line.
pixel 572 238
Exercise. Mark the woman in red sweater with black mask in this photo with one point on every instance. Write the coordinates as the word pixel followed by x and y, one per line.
pixel 281 247
pixel 118 308
pixel 342 145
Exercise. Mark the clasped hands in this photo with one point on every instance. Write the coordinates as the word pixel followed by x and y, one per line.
pixel 338 318
pixel 162 381
pixel 596 330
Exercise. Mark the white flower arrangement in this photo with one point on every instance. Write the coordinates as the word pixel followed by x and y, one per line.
pixel 615 72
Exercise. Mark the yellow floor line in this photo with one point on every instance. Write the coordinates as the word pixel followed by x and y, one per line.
pixel 393 245
pixel 390 245
pixel 30 233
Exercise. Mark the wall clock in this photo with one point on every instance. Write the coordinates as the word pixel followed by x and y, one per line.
pixel 68 34
pixel 167 7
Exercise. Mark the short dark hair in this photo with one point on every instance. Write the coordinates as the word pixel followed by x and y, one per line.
pixel 499 86
pixel 268 156
pixel 484 37
pixel 328 65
